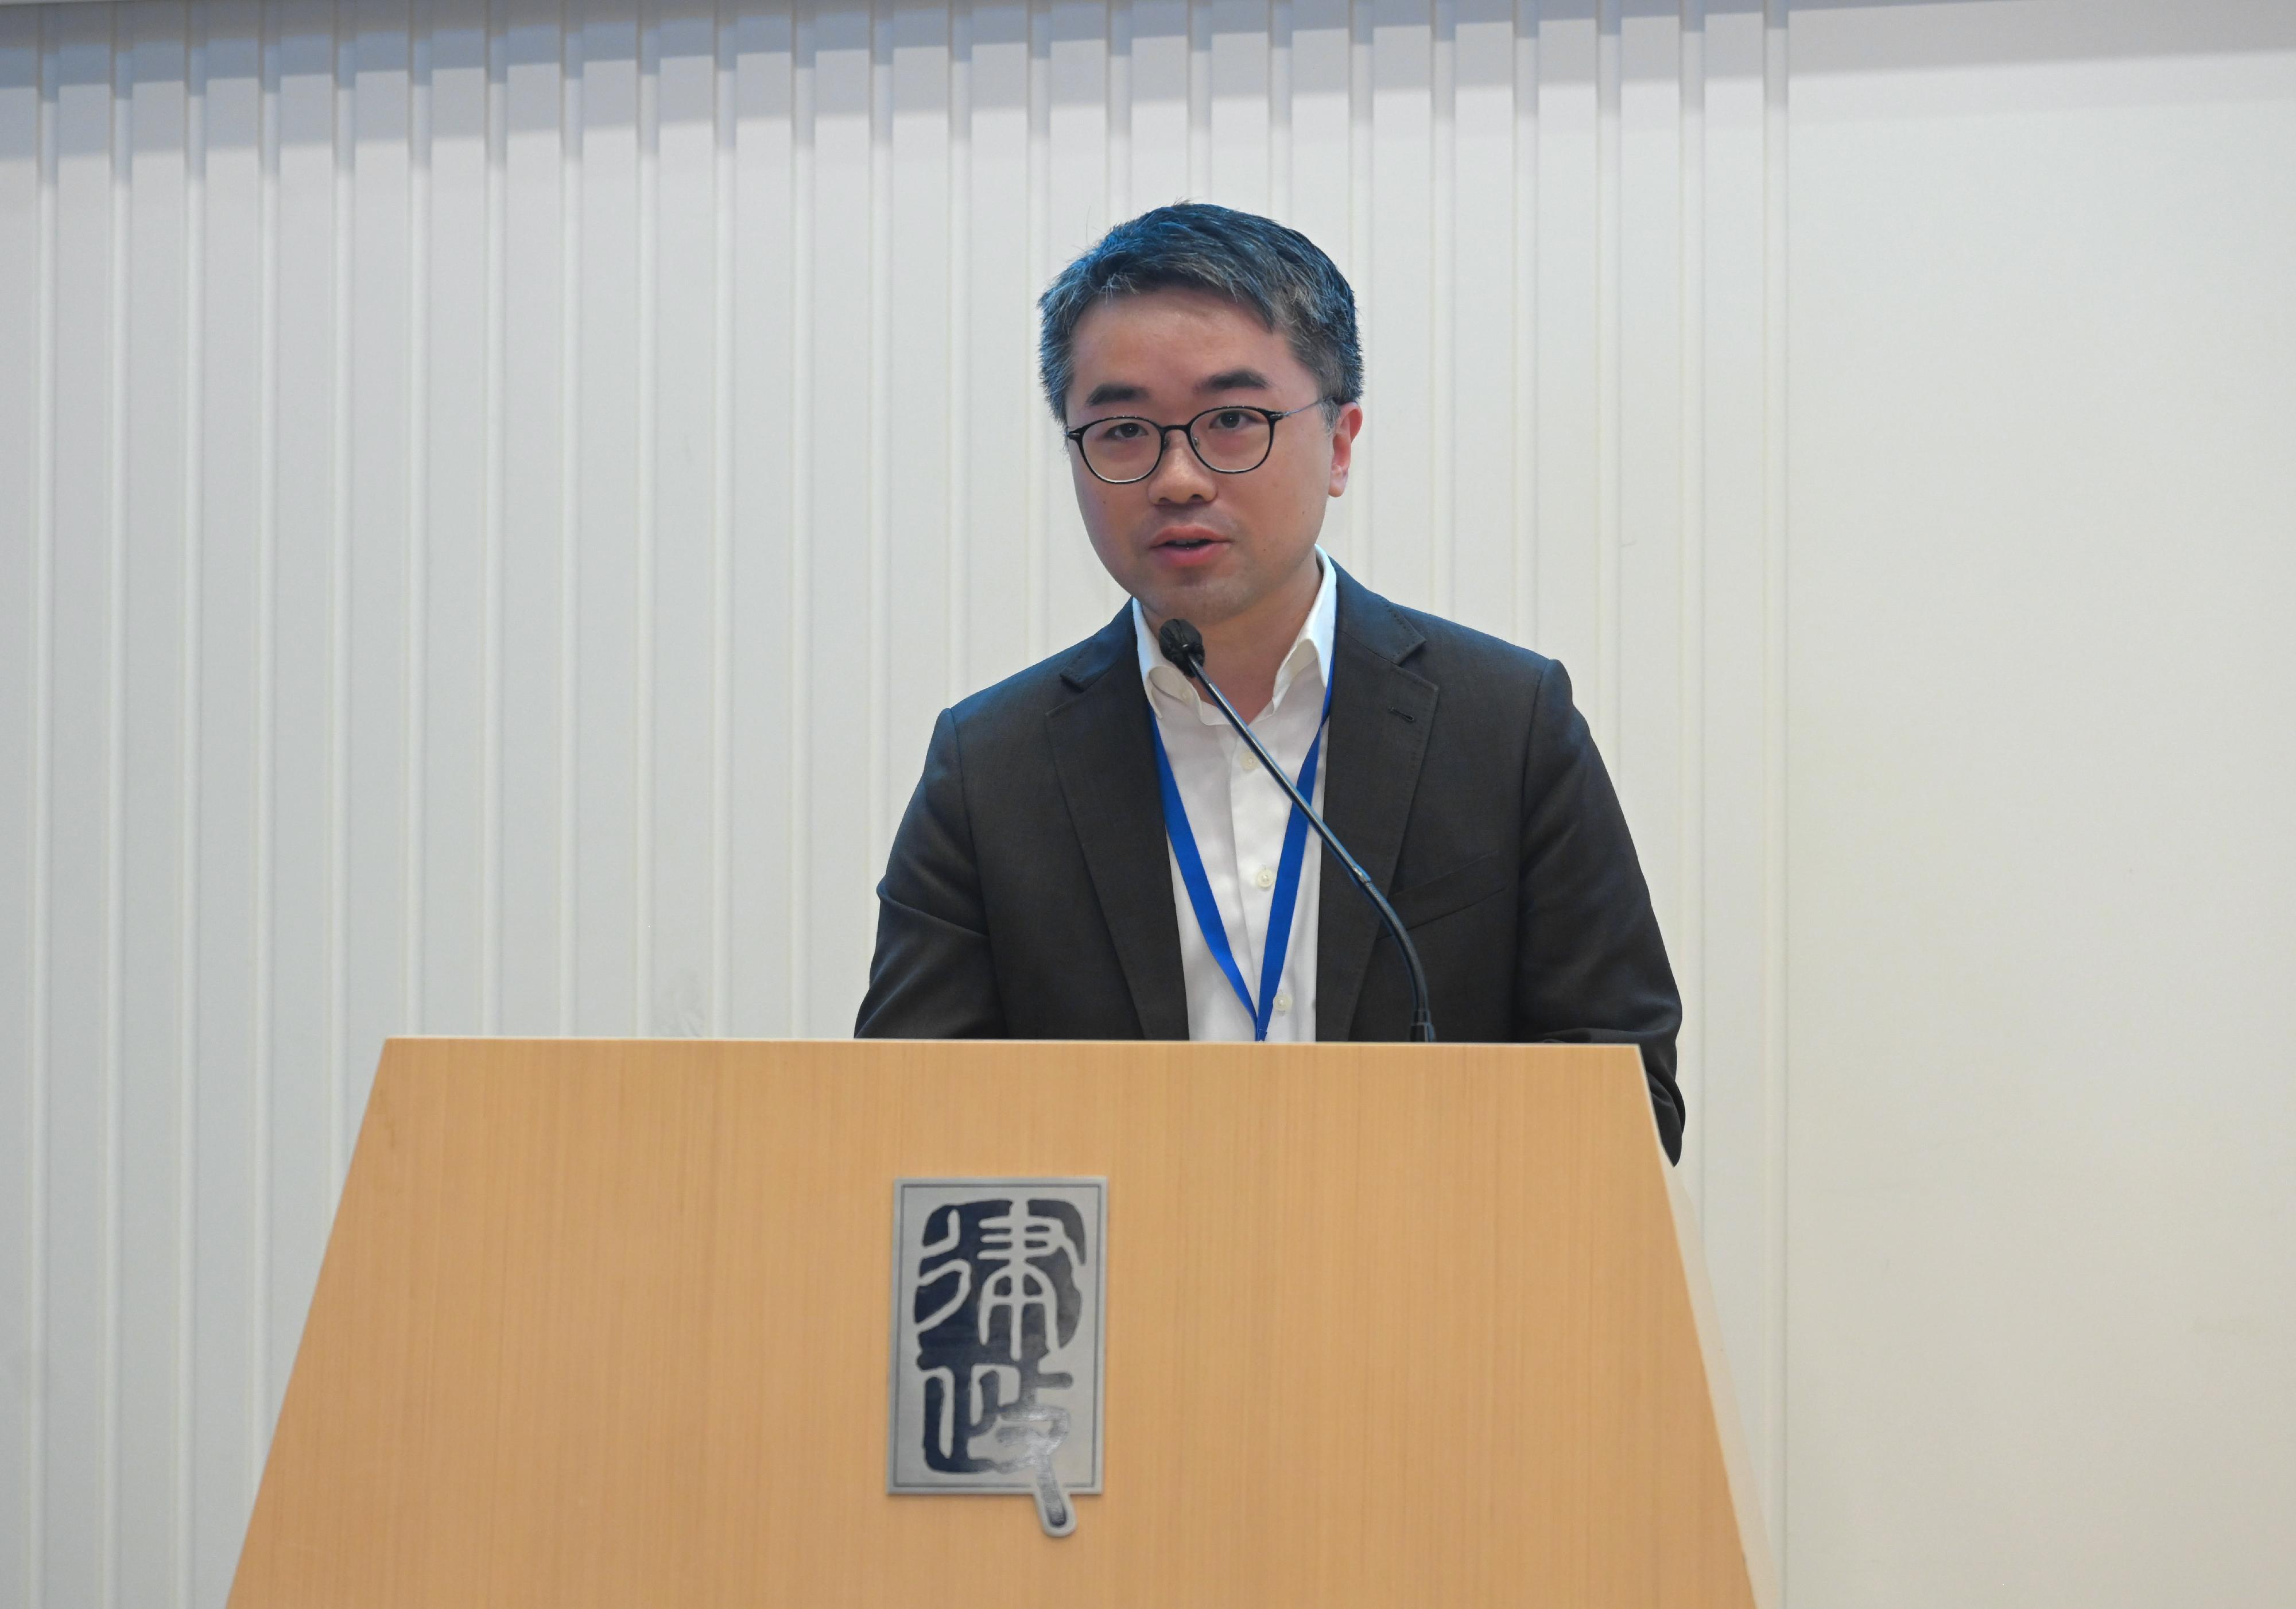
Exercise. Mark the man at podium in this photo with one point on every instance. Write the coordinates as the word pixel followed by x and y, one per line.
pixel 1092 853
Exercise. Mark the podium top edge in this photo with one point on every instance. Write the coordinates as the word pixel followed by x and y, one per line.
pixel 1031 1046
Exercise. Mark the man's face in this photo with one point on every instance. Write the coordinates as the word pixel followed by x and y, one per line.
pixel 1209 548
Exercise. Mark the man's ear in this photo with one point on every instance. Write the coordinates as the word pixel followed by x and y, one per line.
pixel 1344 432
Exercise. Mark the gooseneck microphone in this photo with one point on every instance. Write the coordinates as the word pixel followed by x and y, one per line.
pixel 1183 645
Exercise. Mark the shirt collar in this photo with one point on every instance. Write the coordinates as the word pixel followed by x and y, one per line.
pixel 1311 650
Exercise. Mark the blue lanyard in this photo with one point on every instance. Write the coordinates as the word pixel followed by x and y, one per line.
pixel 1287 874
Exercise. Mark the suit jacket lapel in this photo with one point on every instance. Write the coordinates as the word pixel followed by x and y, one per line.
pixel 1380 717
pixel 1107 766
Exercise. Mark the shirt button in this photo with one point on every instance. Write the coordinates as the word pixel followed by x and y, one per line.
pixel 1264 877
pixel 1248 760
pixel 1283 1003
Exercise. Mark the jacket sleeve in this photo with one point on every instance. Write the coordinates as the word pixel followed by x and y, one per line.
pixel 1593 965
pixel 932 977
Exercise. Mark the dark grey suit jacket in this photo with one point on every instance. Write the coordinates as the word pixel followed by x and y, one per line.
pixel 1027 895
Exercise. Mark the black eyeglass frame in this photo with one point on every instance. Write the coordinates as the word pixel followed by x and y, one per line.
pixel 1164 438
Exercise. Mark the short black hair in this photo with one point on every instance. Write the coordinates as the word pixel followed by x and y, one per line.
pixel 1279 274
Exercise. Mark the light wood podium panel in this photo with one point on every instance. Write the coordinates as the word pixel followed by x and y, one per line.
pixel 606 1323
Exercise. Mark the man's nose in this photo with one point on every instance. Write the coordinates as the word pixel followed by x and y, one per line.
pixel 1179 475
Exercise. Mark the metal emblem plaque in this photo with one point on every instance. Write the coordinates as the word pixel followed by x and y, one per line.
pixel 999 1290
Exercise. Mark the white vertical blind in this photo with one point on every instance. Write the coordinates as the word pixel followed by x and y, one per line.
pixel 493 495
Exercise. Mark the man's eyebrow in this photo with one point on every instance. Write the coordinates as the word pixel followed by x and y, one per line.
pixel 1235 380
pixel 1113 391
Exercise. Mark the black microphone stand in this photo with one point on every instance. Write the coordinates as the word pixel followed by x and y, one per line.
pixel 1183 645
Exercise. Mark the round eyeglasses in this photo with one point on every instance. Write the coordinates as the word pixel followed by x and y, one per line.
pixel 1227 440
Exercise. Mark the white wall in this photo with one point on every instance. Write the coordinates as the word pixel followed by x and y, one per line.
pixel 491 499
pixel 2041 729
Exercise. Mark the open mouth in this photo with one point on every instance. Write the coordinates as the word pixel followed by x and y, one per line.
pixel 1178 541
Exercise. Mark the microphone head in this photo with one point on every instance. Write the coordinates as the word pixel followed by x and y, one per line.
pixel 1183 644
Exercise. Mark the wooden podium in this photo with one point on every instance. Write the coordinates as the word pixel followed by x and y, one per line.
pixel 606 1323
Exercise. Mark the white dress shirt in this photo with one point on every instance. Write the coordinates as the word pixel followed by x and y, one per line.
pixel 1238 815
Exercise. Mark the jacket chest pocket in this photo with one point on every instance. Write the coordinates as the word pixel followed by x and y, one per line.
pixel 1479 879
